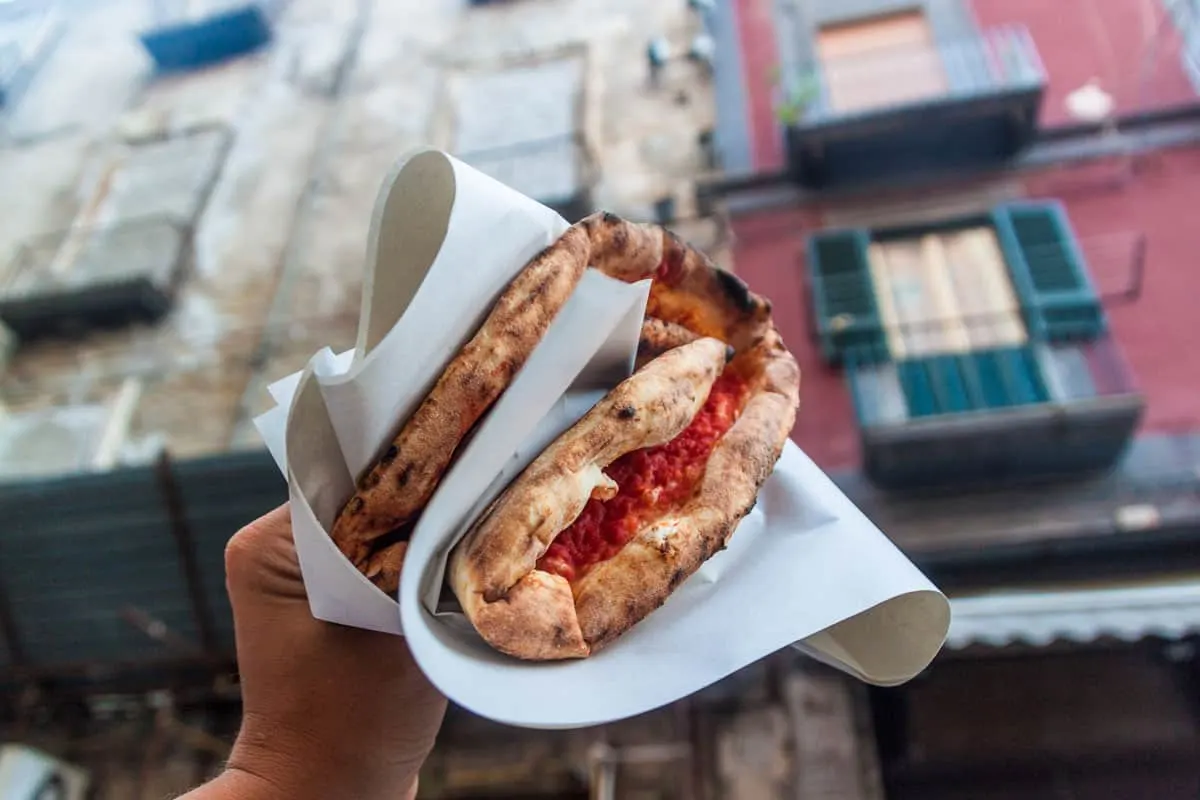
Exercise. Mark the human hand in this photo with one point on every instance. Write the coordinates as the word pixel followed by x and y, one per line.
pixel 328 711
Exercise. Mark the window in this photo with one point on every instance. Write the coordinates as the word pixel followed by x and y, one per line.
pixel 523 126
pixel 128 245
pixel 996 279
pixel 974 348
pixel 945 292
pixel 964 315
pixel 880 61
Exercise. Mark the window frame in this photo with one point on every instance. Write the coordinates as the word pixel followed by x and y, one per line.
pixel 978 378
pixel 1036 303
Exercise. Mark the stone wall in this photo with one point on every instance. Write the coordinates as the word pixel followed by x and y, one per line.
pixel 311 125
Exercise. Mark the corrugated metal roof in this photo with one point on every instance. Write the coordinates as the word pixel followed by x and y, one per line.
pixel 220 495
pixel 1128 613
pixel 77 551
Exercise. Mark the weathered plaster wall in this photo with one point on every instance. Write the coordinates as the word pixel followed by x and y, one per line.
pixel 314 122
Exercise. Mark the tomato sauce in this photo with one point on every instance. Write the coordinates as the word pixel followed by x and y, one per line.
pixel 650 481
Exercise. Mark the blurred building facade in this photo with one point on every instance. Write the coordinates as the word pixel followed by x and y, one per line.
pixel 189 189
pixel 974 220
pixel 972 217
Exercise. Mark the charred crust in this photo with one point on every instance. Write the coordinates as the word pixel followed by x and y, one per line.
pixel 620 238
pixel 390 455
pixel 543 253
pixel 626 412
pixel 402 478
pixel 355 506
pixel 610 218
pixel 736 290
pixel 677 577
pixel 535 293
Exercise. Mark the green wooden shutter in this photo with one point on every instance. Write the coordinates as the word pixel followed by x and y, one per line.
pixel 843 297
pixel 1048 271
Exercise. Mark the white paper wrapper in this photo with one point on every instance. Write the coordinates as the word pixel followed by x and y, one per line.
pixel 805 568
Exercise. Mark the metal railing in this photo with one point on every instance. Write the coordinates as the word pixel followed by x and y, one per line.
pixel 1114 263
pixel 1011 373
pixel 554 167
pixel 1001 59
pixel 81 255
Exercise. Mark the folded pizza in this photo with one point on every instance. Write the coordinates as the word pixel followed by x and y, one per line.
pixel 373 527
pixel 613 516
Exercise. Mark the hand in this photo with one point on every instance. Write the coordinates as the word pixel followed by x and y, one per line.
pixel 328 711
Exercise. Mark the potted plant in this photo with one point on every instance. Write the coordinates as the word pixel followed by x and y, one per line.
pixel 796 98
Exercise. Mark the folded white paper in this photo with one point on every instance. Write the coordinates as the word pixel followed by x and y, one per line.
pixel 804 568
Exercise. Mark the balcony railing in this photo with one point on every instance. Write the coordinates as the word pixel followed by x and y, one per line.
pixel 937 386
pixel 951 104
pixel 1016 409
pixel 999 60
pixel 88 255
pixel 558 171
pixel 94 275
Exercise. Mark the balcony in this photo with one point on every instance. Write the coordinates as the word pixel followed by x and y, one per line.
pixel 98 277
pixel 990 416
pixel 977 349
pixel 889 113
pixel 127 247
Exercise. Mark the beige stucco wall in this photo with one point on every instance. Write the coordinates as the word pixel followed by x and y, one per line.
pixel 314 122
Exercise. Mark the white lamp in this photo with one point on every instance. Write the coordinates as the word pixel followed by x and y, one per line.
pixel 1090 103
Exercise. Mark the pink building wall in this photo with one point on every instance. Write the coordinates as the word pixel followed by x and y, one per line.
pixel 1107 204
pixel 1103 39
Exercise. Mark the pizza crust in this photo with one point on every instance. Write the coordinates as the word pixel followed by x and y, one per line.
pixel 657 337
pixel 535 615
pixel 373 527
pixel 529 613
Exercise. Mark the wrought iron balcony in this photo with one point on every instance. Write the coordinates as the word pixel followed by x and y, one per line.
pixel 957 380
pixel 94 276
pixel 558 171
pixel 998 414
pixel 900 110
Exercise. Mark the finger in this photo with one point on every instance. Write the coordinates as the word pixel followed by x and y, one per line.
pixel 261 558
